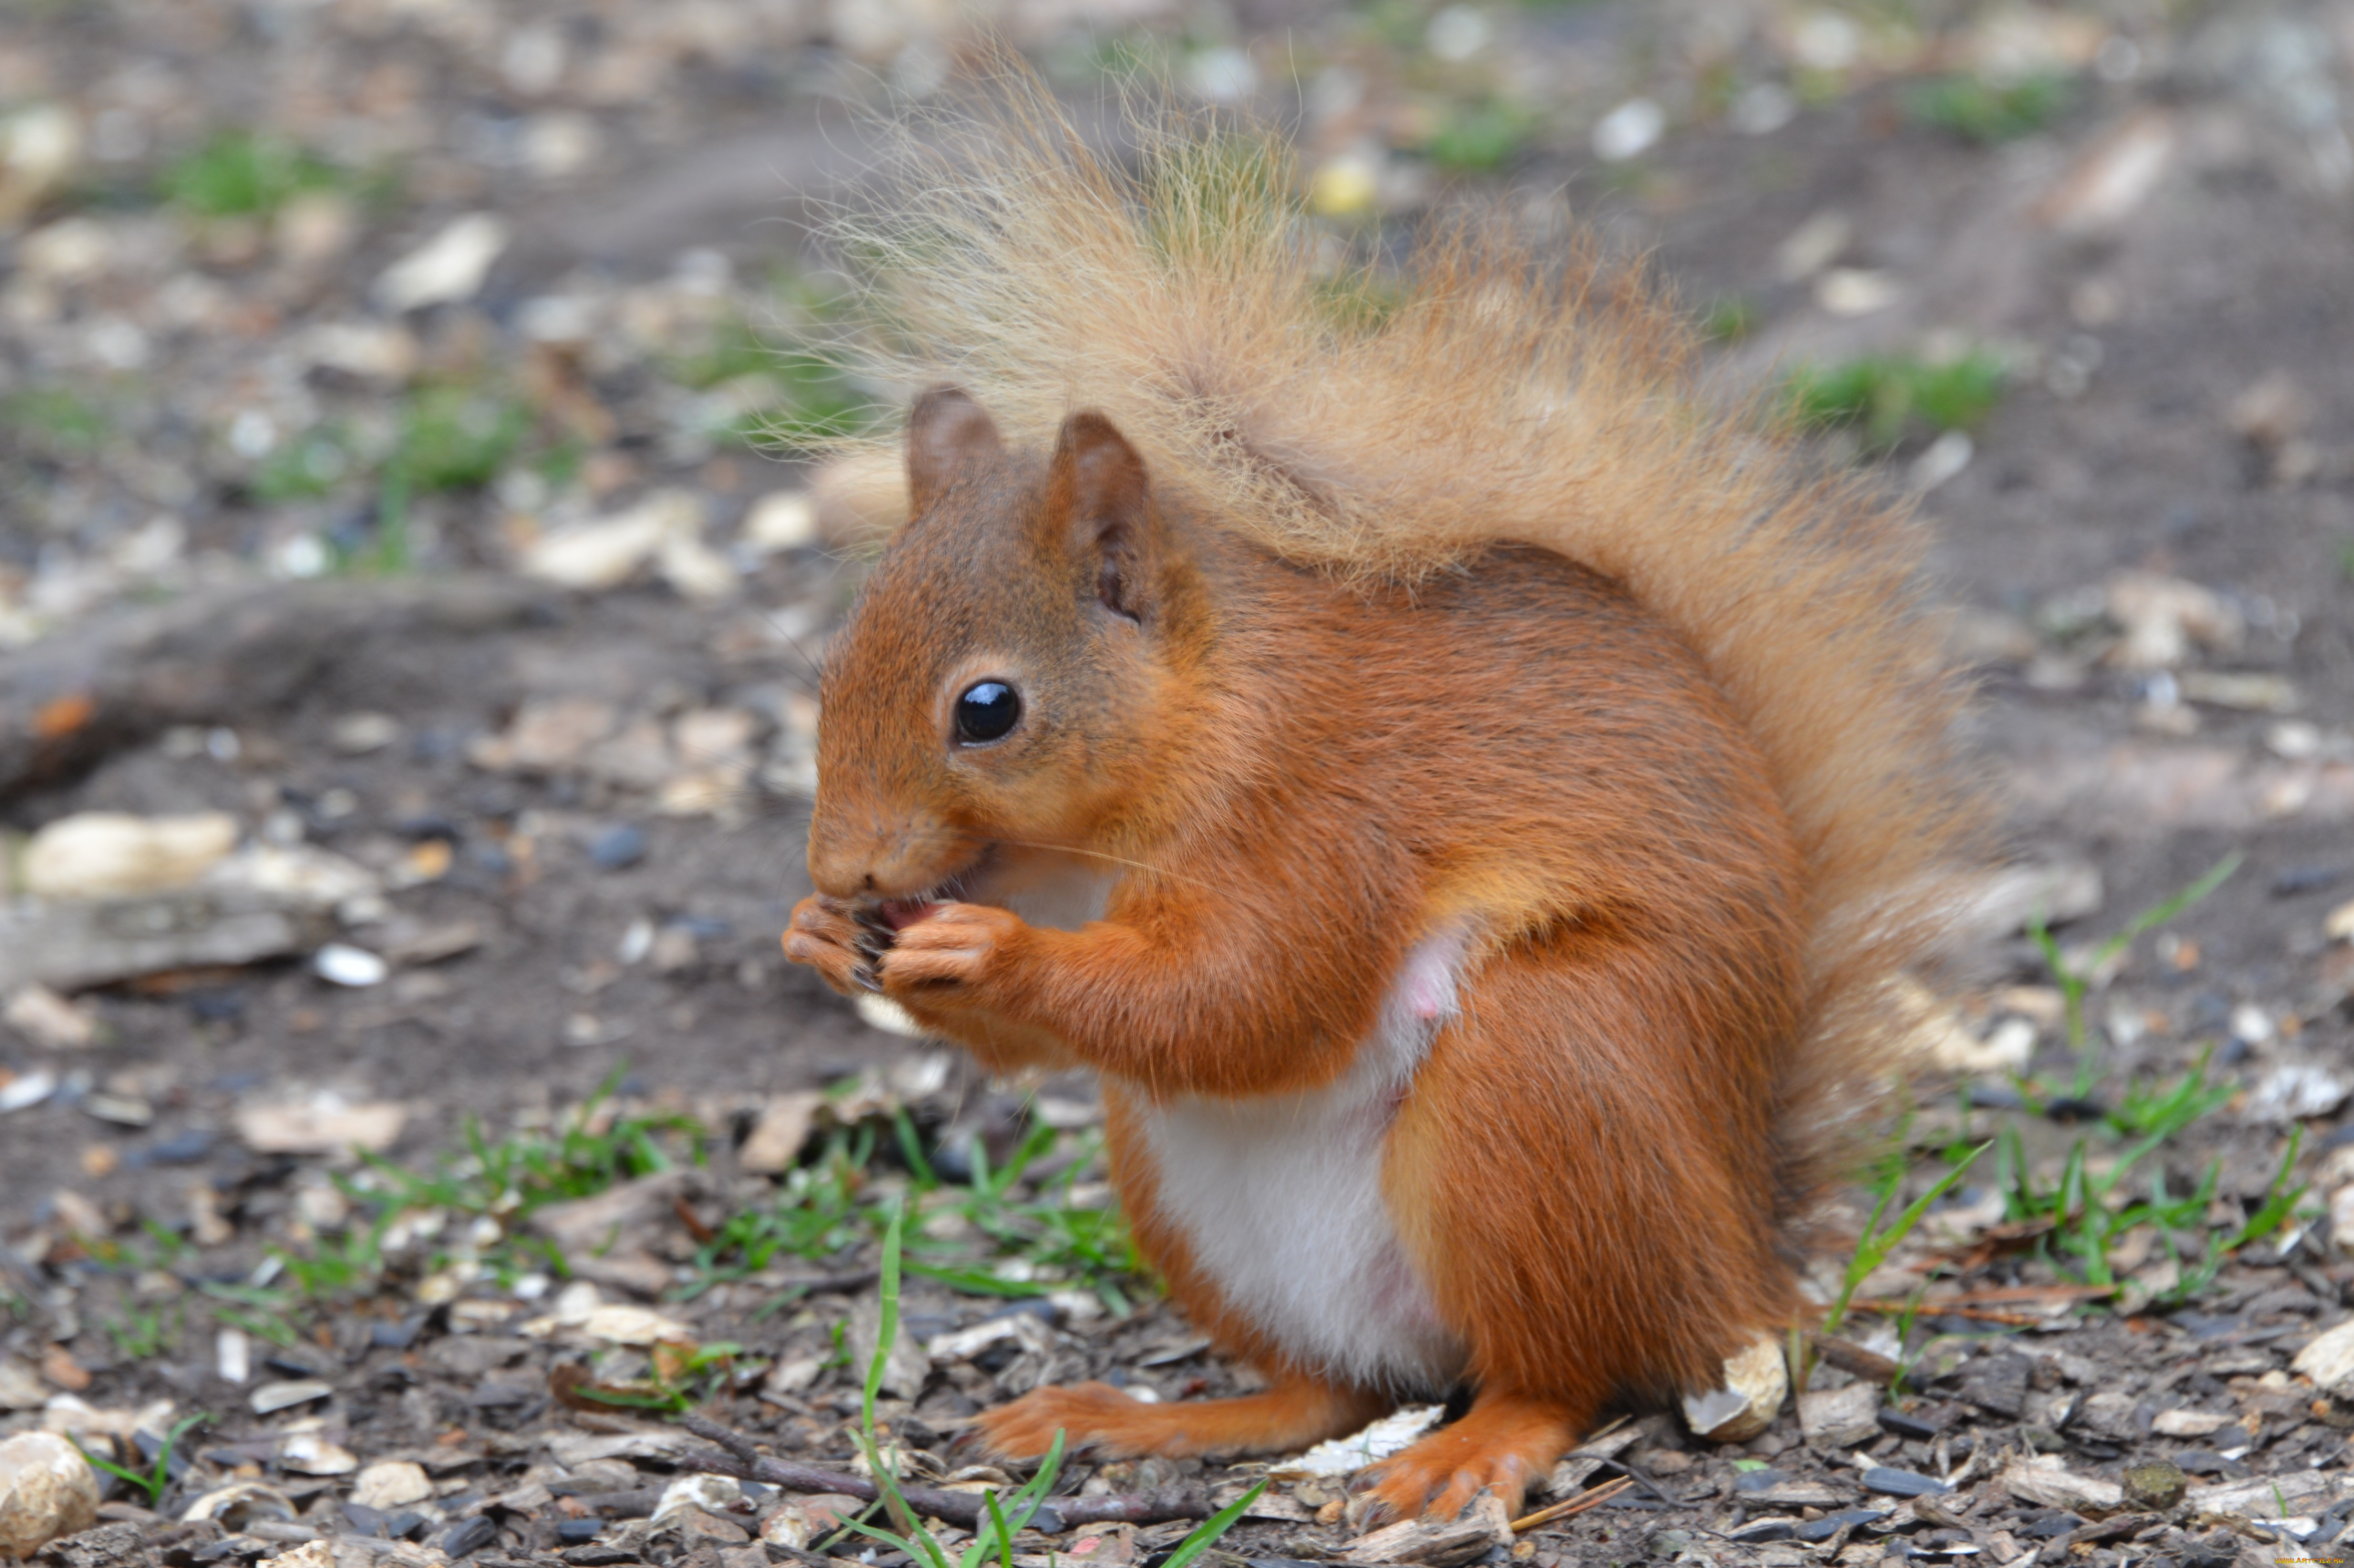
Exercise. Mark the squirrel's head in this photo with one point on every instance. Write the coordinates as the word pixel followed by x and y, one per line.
pixel 1013 664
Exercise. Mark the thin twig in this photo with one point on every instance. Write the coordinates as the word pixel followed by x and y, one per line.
pixel 1595 1497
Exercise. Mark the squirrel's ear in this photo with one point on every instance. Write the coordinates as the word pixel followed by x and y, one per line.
pixel 1096 492
pixel 946 430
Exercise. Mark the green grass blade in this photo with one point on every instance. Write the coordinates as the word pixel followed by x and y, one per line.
pixel 1206 1534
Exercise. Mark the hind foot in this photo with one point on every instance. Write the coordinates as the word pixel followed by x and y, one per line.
pixel 1500 1446
pixel 1295 1413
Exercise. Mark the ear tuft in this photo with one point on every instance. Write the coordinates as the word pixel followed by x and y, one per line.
pixel 947 432
pixel 1099 492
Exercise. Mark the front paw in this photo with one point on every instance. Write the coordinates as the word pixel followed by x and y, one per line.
pixel 956 953
pixel 1093 1417
pixel 824 936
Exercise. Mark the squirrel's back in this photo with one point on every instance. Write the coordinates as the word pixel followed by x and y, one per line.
pixel 1386 425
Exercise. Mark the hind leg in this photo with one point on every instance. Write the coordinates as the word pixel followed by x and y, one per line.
pixel 1295 1413
pixel 1581 1177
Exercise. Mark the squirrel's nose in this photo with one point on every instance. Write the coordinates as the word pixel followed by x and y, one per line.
pixel 864 855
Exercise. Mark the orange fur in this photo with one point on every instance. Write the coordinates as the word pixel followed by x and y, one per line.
pixel 1465 630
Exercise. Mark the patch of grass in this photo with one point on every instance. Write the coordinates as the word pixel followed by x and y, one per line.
pixel 1876 1242
pixel 817 1214
pixel 144 1332
pixel 1986 111
pixel 2074 978
pixel 262 1313
pixel 1478 138
pixel 1008 1240
pixel 1729 318
pixel 1886 398
pixel 994 1537
pixel 457 437
pixel 54 422
pixel 502 1180
pixel 452 437
pixel 240 174
pixel 2092 1206
pixel 312 465
pixel 678 1378
pixel 1004 1232
pixel 1057 1240
pixel 778 388
pixel 158 1477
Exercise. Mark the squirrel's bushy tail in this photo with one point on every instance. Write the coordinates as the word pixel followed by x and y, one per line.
pixel 1383 423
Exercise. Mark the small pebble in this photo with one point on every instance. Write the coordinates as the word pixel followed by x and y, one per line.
pixel 357 734
pixel 1831 1524
pixel 188 1147
pixel 1903 1483
pixel 27 1089
pixel 272 1396
pixel 365 1520
pixel 1758 1481
pixel 1910 1427
pixel 619 847
pixel 468 1535
pixel 575 1532
pixel 46 1489
pixel 232 1355
pixel 1764 1531
pixel 340 964
pixel 395 1336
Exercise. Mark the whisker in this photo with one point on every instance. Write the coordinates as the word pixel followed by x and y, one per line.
pixel 944 835
pixel 816 667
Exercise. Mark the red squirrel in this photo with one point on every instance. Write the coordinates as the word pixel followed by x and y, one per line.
pixel 1467 799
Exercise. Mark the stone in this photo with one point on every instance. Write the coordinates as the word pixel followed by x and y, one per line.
pixel 339 963
pixel 48 1020
pixel 2329 1360
pixel 781 520
pixel 705 1493
pixel 1840 1417
pixel 605 552
pixel 2154 1484
pixel 46 1489
pixel 1902 1483
pixel 285 1395
pixel 2046 1482
pixel 1997 1384
pixel 1756 1381
pixel 322 1127
pixel 445 269
pixel 2189 1423
pixel 20 1387
pixel 2283 1496
pixel 310 1454
pixel 100 855
pixel 775 1144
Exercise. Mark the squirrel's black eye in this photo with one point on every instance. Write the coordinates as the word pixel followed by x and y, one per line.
pixel 987 710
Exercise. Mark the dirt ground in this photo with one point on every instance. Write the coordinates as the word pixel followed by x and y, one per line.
pixel 579 814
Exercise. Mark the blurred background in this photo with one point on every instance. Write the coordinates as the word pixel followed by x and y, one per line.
pixel 410 557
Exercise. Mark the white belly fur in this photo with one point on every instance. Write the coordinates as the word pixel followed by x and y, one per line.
pixel 1280 1199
